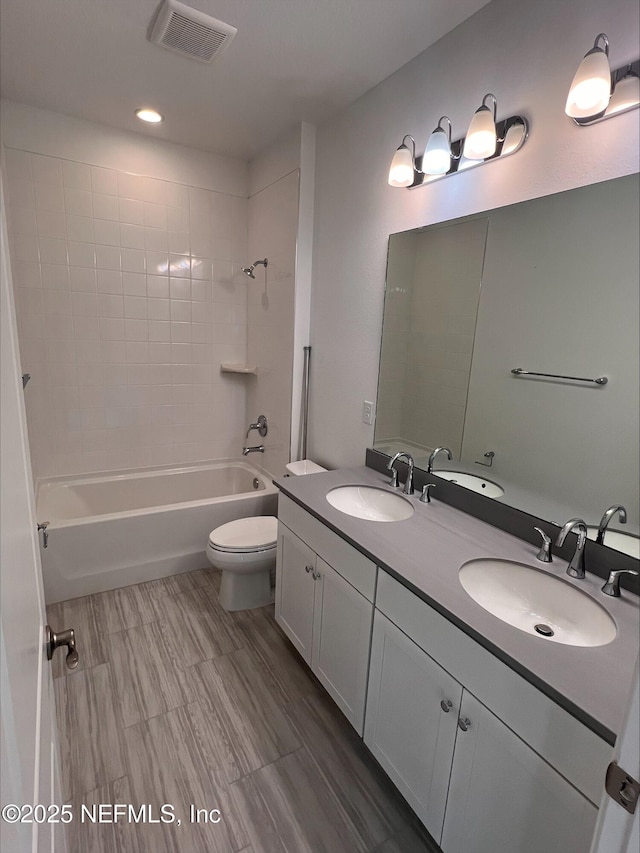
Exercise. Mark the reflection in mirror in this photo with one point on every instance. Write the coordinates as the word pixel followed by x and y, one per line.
pixel 550 286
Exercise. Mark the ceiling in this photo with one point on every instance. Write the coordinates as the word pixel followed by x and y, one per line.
pixel 291 61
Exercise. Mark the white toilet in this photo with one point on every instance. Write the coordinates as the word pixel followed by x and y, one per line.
pixel 245 551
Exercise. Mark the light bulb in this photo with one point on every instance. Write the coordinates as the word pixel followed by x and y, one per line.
pixel 149 115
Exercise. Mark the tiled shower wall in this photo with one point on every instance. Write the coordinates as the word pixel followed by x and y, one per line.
pixel 129 296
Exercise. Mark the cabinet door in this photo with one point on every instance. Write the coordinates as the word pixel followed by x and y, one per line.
pixel 341 642
pixel 503 796
pixel 406 727
pixel 295 588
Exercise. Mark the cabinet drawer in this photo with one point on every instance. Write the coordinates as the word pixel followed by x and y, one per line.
pixel 344 558
pixel 566 744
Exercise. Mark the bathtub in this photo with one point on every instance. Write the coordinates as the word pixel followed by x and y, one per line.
pixel 126 527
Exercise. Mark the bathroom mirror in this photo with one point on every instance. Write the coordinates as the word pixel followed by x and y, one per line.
pixel 548 286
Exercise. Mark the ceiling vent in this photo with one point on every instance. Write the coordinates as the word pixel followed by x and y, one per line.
pixel 189 32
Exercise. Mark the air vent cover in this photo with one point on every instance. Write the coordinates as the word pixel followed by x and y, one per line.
pixel 189 32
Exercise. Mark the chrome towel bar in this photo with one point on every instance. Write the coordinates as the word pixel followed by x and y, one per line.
pixel 518 371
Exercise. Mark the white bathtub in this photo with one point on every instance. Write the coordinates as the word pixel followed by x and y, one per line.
pixel 128 527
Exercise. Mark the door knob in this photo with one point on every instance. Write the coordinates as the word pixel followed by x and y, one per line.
pixel 464 723
pixel 64 638
pixel 446 705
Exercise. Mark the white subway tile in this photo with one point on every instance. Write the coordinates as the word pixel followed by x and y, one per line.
pixel 155 216
pixel 30 300
pixel 25 247
pixel 201 291
pixel 51 224
pixel 136 330
pixel 88 352
pixel 57 302
pixel 81 254
pixel 83 279
pixel 104 181
pixel 181 333
pixel 156 240
pixel 110 305
pixel 157 263
pixel 106 207
pixel 201 269
pixel 107 257
pixel 89 374
pixel 180 311
pixel 46 170
pixel 62 374
pixel 18 164
pixel 26 274
pixel 177 195
pixel 31 326
pixel 179 242
pixel 22 220
pixel 80 229
pixel 106 232
pixel 157 286
pixel 55 277
pixel 109 281
pixel 52 251
pixel 137 352
pixel 159 309
pixel 159 331
pixel 86 328
pixel 49 197
pixel 132 236
pixel 180 353
pixel 180 288
pixel 135 307
pixel 134 284
pixel 160 357
pixel 113 352
pixel 179 266
pixel 131 212
pixel 77 202
pixel 76 176
pixel 21 192
pixel 133 260
pixel 111 328
pixel 60 352
pixel 84 304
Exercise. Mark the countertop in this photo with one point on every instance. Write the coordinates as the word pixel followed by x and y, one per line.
pixel 426 551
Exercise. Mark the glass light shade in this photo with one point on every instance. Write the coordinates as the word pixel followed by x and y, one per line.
pixel 625 95
pixel 401 171
pixel 591 88
pixel 437 155
pixel 513 139
pixel 480 141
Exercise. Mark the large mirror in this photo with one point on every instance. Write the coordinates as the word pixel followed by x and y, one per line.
pixel 548 286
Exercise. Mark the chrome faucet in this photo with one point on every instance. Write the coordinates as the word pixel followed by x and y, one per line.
pixel 432 457
pixel 575 568
pixel 247 450
pixel 544 554
pixel 606 518
pixel 408 486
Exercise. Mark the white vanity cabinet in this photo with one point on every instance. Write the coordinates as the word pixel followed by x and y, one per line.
pixel 514 772
pixel 324 604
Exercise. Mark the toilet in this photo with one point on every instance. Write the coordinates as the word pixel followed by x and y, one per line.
pixel 245 551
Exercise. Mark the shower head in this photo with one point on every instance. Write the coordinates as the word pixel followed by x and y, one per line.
pixel 249 270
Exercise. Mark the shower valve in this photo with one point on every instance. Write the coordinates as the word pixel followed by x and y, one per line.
pixel 260 425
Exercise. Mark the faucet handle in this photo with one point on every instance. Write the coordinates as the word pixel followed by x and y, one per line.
pixel 544 554
pixel 425 497
pixel 612 586
pixel 394 478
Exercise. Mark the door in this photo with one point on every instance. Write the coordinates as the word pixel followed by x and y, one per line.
pixel 411 719
pixel 503 796
pixel 29 769
pixel 341 641
pixel 295 589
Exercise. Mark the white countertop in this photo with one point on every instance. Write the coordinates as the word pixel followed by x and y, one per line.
pixel 426 551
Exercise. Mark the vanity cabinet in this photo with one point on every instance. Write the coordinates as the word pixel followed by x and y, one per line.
pixel 476 784
pixel 324 604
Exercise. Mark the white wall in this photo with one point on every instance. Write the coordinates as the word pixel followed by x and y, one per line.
pixel 526 54
pixel 126 255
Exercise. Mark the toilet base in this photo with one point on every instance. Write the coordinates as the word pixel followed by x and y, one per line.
pixel 246 590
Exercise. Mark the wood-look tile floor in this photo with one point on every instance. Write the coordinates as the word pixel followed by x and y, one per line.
pixel 178 702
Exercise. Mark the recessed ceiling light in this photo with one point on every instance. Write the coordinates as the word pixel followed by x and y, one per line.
pixel 146 114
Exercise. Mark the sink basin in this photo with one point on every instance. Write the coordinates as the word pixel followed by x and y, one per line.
pixel 370 503
pixel 526 597
pixel 470 481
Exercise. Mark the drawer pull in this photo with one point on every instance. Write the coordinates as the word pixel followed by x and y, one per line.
pixel 308 569
pixel 464 723
pixel 446 705
pixel 316 575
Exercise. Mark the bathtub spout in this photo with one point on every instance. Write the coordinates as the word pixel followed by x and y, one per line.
pixel 247 450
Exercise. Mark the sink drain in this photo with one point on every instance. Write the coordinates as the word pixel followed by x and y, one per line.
pixel 545 630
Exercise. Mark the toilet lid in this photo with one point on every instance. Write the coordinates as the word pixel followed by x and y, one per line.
pixel 246 534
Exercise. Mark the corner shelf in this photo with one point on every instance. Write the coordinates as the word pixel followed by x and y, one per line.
pixel 246 369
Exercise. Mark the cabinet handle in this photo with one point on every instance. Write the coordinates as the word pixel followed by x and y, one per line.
pixel 464 723
pixel 446 705
pixel 315 576
pixel 308 569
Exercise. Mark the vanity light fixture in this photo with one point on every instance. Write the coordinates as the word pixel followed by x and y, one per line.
pixel 596 92
pixel 437 155
pixel 485 141
pixel 482 139
pixel 149 115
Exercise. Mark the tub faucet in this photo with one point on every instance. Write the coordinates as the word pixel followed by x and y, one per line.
pixel 432 457
pixel 575 568
pixel 408 486
pixel 247 450
pixel 606 518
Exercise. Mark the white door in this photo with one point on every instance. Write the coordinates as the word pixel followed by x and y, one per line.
pixel 503 796
pixel 411 720
pixel 28 768
pixel 341 642
pixel 295 590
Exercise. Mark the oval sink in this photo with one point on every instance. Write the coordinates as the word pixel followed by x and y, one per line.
pixel 370 503
pixel 536 602
pixel 470 481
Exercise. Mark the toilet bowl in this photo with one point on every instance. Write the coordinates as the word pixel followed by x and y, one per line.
pixel 245 551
